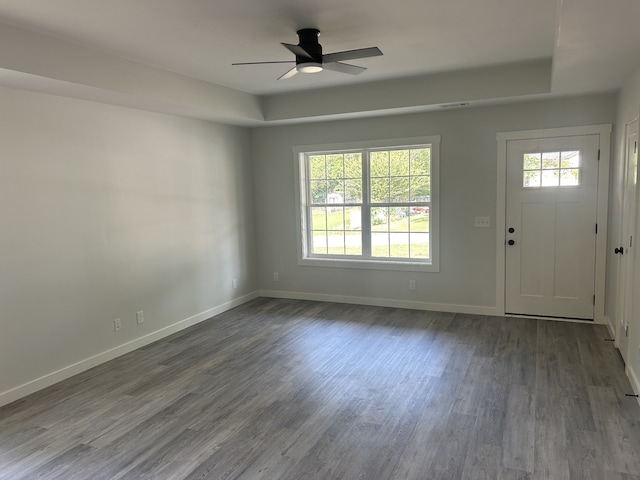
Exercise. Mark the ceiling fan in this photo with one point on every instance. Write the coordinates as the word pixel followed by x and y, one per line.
pixel 309 57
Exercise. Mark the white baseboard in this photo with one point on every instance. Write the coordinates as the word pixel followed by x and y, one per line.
pixel 381 302
pixel 95 360
pixel 635 384
pixel 631 375
pixel 610 327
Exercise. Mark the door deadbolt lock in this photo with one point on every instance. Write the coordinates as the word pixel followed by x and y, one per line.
pixel 511 242
pixel 511 229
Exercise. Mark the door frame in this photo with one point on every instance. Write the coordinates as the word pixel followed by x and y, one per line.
pixel 604 132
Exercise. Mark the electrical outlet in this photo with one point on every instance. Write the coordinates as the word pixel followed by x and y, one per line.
pixel 234 283
pixel 483 222
pixel 276 277
pixel 140 317
pixel 117 324
pixel 412 285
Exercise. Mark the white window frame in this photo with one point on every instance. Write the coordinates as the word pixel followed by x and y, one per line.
pixel 304 257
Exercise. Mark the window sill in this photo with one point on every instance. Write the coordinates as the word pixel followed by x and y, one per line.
pixel 397 265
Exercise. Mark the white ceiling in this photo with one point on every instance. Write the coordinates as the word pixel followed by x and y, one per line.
pixel 593 44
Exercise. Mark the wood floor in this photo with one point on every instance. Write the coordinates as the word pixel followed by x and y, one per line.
pixel 284 389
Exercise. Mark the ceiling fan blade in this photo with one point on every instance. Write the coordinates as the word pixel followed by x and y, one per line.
pixel 288 74
pixel 262 63
pixel 351 54
pixel 297 50
pixel 344 68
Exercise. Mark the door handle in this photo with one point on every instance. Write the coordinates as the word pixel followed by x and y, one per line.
pixel 619 250
pixel 511 242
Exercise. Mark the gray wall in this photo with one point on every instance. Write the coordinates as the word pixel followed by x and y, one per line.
pixel 105 211
pixel 467 277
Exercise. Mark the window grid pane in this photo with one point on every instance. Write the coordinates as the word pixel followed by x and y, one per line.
pixel 400 232
pixel 327 187
pixel 551 169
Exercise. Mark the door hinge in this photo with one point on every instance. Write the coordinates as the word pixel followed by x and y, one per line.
pixel 596 228
pixel 598 154
pixel 594 299
pixel 635 147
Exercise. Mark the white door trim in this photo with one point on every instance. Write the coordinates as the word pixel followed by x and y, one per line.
pixel 604 132
pixel 626 266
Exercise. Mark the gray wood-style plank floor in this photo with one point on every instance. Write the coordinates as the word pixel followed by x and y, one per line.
pixel 286 389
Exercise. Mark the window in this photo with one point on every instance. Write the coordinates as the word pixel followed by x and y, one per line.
pixel 369 206
pixel 551 169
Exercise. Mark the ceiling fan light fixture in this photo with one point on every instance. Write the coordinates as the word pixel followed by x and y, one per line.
pixel 310 59
pixel 309 67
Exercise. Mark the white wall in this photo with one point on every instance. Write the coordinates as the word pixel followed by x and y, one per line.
pixel 467 280
pixel 628 109
pixel 105 211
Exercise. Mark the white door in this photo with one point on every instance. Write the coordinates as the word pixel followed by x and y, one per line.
pixel 551 206
pixel 626 249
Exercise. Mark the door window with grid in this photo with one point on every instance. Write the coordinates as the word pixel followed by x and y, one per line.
pixel 551 169
pixel 372 205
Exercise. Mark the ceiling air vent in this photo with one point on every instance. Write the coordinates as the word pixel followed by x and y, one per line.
pixel 454 105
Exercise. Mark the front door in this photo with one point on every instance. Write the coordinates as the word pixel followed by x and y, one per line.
pixel 551 206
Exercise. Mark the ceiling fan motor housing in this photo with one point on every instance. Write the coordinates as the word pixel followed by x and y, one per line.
pixel 308 40
pixel 309 57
